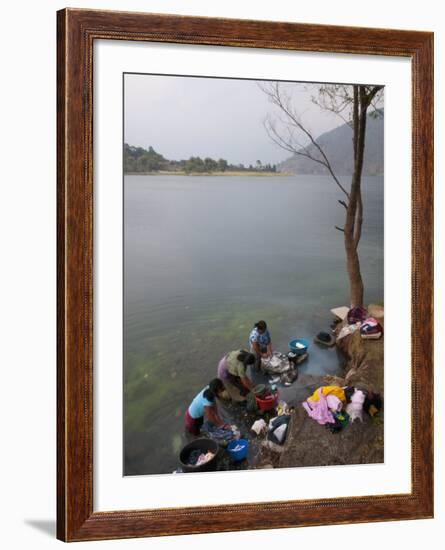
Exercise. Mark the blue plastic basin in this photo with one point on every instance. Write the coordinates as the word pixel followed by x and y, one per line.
pixel 242 446
pixel 298 350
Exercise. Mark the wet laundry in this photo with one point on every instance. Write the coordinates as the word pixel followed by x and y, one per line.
pixel 194 456
pixel 283 368
pixel 221 435
pixel 289 377
pixel 205 458
pixel 198 458
pixel 277 364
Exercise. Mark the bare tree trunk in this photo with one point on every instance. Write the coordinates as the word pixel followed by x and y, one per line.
pixel 354 211
pixel 355 277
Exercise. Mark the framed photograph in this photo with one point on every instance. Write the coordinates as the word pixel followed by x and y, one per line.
pixel 245 229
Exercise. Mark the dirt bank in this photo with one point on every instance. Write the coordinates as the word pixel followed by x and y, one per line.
pixel 309 444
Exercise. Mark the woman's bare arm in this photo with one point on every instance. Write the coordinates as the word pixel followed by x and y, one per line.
pixel 212 416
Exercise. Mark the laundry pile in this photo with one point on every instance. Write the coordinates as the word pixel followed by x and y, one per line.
pixel 223 436
pixel 198 458
pixel 335 407
pixel 282 368
pixel 359 320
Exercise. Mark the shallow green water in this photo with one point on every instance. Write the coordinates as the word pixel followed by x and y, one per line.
pixel 206 257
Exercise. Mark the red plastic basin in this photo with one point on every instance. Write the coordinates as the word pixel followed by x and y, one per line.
pixel 268 403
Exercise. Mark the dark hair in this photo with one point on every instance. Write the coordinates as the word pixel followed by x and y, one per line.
pixel 246 358
pixel 261 325
pixel 215 386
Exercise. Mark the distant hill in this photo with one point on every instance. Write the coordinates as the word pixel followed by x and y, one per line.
pixel 337 145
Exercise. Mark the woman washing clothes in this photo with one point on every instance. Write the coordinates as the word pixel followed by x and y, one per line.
pixel 232 371
pixel 204 404
pixel 260 342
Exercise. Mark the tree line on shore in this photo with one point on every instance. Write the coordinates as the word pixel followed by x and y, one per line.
pixel 140 160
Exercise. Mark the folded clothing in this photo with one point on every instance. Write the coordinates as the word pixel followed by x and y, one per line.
pixel 371 326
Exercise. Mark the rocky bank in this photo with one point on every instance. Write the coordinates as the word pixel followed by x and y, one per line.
pixel 310 444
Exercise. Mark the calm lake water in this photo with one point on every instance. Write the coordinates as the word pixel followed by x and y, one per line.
pixel 205 258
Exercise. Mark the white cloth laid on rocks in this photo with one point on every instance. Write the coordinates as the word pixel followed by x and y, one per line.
pixel 259 426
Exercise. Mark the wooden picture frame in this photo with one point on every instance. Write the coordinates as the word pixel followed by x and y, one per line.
pixel 77 31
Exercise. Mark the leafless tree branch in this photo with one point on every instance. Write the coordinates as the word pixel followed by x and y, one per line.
pixel 282 101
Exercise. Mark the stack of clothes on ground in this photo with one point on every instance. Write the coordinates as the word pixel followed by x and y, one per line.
pixel 371 329
pixel 282 368
pixel 358 319
pixel 336 407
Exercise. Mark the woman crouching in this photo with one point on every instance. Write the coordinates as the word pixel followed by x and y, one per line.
pixel 204 404
pixel 232 371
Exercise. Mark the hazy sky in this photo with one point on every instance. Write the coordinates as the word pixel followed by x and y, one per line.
pixel 182 117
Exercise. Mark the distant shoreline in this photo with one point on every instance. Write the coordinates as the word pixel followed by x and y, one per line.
pixel 228 173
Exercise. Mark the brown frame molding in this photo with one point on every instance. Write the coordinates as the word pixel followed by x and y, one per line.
pixel 76 32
